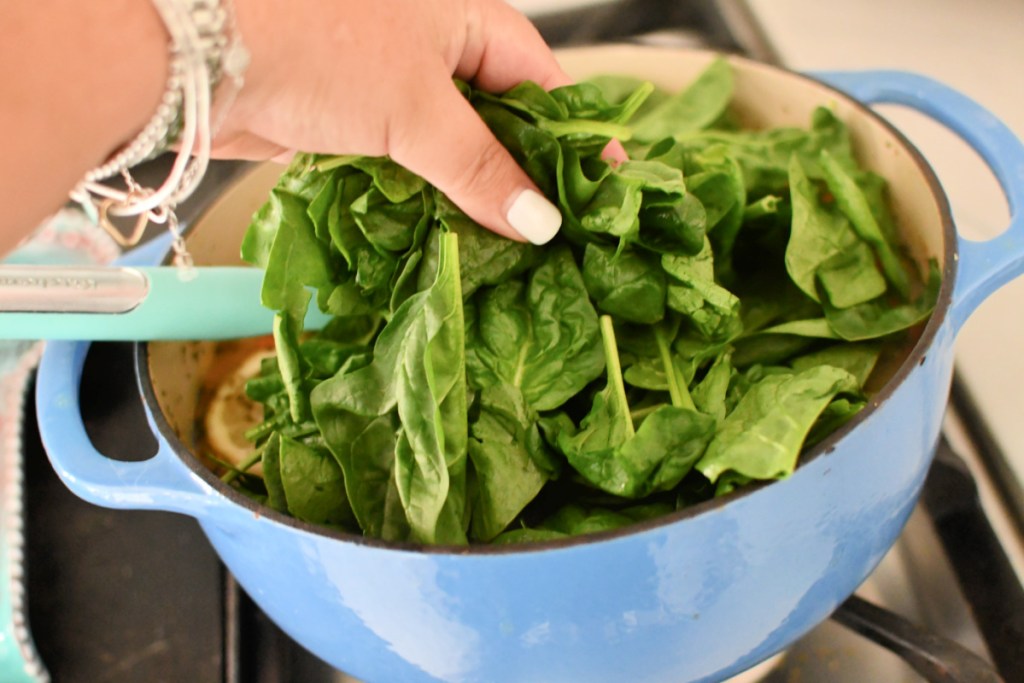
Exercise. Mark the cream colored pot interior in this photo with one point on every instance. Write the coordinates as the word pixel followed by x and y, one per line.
pixel 765 97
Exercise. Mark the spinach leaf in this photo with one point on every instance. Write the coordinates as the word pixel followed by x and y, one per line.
pixel 587 101
pixel 507 452
pixel 540 335
pixel 814 327
pixel 284 240
pixel 716 180
pixel 672 224
pixel 537 151
pixel 365 449
pixel 645 202
pixel 854 204
pixel 823 245
pixel 321 203
pixel 764 155
pixel 387 226
pixel 656 365
pixel 762 437
pixel 313 485
pixel 859 359
pixel 527 535
pixel 850 278
pixel 835 415
pixel 325 356
pixel 769 298
pixel 677 382
pixel 581 178
pixel 693 292
pixel 614 456
pixel 573 520
pixel 692 109
pixel 769 349
pixel 430 461
pixel 664 449
pixel 881 317
pixel 296 258
pixel 297 182
pixel 286 336
pixel 276 498
pixel 417 369
pixel 485 258
pixel 394 181
pixel 594 120
pixel 628 284
pixel 618 87
pixel 711 394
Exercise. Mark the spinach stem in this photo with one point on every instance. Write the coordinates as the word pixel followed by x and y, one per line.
pixel 244 466
pixel 677 389
pixel 332 162
pixel 639 414
pixel 611 357
pixel 578 127
pixel 262 429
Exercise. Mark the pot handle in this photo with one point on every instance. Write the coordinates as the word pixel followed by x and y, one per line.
pixel 984 266
pixel 162 482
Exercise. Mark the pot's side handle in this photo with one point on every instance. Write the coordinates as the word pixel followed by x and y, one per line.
pixel 984 266
pixel 160 483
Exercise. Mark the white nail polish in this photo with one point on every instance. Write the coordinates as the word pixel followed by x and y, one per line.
pixel 534 217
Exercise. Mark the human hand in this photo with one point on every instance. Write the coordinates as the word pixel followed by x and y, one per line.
pixel 375 78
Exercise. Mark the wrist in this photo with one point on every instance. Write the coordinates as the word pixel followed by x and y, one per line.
pixel 204 49
pixel 262 23
pixel 135 68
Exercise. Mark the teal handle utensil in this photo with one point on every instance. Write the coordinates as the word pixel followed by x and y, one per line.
pixel 135 303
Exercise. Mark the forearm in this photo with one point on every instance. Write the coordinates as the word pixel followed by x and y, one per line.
pixel 80 79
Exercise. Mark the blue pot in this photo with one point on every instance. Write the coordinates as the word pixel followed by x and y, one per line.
pixel 695 596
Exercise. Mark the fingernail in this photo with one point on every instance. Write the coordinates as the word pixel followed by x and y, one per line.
pixel 534 217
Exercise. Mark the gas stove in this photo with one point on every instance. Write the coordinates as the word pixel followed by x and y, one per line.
pixel 119 597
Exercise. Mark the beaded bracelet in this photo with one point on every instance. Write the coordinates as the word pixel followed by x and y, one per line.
pixel 206 51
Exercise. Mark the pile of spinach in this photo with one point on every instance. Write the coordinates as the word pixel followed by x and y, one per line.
pixel 711 308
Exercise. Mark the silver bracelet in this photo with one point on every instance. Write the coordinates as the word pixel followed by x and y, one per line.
pixel 206 51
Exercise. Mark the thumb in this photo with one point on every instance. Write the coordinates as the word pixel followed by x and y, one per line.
pixel 446 142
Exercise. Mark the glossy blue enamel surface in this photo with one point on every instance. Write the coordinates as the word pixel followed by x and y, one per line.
pixel 695 598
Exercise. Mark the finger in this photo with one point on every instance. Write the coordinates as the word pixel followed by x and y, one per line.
pixel 504 48
pixel 445 141
pixel 614 152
